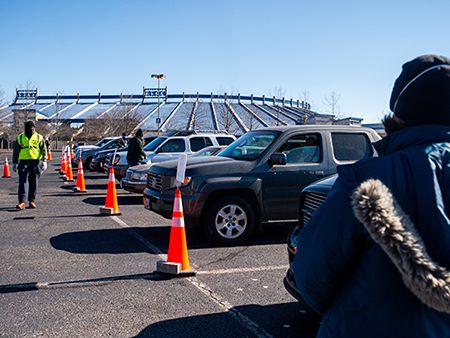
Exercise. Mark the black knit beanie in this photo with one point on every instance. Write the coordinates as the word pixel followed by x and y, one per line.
pixel 421 94
pixel 29 124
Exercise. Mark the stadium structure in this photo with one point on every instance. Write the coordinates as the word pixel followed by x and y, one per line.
pixel 157 110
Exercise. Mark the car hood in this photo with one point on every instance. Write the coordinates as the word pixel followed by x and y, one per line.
pixel 85 148
pixel 216 165
pixel 139 168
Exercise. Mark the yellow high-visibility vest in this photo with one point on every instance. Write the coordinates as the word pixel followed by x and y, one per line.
pixel 30 149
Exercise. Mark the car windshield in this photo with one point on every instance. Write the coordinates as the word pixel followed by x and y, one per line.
pixel 155 143
pixel 102 142
pixel 110 144
pixel 250 146
pixel 208 151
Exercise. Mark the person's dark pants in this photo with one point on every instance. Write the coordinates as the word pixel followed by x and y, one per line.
pixel 132 163
pixel 29 172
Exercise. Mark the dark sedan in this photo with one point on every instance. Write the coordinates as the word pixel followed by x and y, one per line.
pixel 310 199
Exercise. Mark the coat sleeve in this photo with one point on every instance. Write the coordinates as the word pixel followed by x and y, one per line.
pixel 327 249
pixel 141 147
pixel 16 151
pixel 43 148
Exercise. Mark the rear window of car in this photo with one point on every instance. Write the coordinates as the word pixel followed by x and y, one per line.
pixel 173 146
pixel 350 146
pixel 224 141
pixel 198 143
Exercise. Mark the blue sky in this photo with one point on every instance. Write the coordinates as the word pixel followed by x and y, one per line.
pixel 352 48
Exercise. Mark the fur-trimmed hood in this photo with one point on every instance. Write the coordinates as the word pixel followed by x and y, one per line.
pixel 375 207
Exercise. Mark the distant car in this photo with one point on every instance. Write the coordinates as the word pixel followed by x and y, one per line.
pixel 79 144
pixel 87 153
pixel 169 146
pixel 136 177
pixel 98 161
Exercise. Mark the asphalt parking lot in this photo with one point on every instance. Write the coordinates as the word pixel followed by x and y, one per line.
pixel 68 271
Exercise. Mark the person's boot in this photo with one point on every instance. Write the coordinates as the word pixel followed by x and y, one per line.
pixel 20 206
pixel 32 205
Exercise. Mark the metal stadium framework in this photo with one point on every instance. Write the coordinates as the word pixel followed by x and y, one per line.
pixel 235 113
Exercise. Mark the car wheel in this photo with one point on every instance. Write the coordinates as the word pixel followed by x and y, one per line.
pixel 229 220
pixel 87 163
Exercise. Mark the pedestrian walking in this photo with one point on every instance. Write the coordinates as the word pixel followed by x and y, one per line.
pixel 30 160
pixel 136 153
pixel 374 259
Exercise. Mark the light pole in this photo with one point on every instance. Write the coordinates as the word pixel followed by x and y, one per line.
pixel 159 77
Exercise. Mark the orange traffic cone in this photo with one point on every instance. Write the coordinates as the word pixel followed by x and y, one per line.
pixel 71 152
pixel 69 172
pixel 63 162
pixel 111 206
pixel 6 172
pixel 49 153
pixel 177 258
pixel 80 178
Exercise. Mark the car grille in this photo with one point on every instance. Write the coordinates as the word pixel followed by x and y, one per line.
pixel 128 175
pixel 154 181
pixel 311 201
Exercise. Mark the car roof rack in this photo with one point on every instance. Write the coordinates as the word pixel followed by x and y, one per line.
pixel 192 132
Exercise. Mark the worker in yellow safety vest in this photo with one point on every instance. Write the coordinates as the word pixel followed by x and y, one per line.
pixel 30 153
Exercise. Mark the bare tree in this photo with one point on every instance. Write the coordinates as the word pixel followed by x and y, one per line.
pixel 225 117
pixel 26 96
pixel 6 128
pixel 121 119
pixel 196 115
pixel 305 96
pixel 331 102
pixel 58 129
pixel 278 93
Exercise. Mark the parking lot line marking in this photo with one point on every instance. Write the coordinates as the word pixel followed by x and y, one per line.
pixel 152 247
pixel 262 268
pixel 244 320
pixel 206 290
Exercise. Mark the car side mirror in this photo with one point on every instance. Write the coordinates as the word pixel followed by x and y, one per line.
pixel 159 150
pixel 277 158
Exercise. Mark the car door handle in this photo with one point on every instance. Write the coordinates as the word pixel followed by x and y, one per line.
pixel 319 173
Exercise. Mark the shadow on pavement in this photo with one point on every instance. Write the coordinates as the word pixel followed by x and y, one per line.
pixel 122 241
pixel 110 241
pixel 132 199
pixel 280 320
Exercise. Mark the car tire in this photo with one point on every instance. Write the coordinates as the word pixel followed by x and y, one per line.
pixel 229 221
pixel 87 163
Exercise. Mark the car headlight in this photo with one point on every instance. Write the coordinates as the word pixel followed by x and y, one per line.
pixel 139 176
pixel 117 159
pixel 174 183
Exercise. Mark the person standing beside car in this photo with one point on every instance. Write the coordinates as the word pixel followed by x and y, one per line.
pixel 374 259
pixel 30 153
pixel 122 142
pixel 136 153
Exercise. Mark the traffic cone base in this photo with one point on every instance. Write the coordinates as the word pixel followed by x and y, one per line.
pixel 177 264
pixel 6 172
pixel 111 206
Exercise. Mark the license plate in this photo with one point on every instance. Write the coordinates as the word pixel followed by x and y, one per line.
pixel 147 203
